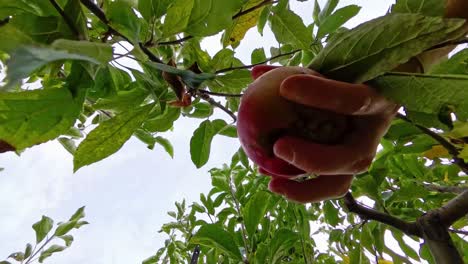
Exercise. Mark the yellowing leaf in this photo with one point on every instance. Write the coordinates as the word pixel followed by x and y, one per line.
pixel 242 24
pixel 446 177
pixel 437 151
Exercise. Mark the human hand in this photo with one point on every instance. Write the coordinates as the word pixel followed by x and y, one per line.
pixel 370 115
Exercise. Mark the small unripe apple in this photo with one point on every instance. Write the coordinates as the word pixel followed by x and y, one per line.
pixel 264 116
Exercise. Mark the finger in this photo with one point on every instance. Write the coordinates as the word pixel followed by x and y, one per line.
pixel 313 190
pixel 340 97
pixel 259 70
pixel 324 159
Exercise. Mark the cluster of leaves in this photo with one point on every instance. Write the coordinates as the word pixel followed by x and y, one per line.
pixel 68 49
pixel 44 237
pixel 239 220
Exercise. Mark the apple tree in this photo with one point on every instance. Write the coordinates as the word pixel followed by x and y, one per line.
pixel 91 74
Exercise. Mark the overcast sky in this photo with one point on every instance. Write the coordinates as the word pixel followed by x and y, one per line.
pixel 128 194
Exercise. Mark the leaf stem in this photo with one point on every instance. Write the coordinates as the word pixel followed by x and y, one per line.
pixel 259 63
pixel 442 141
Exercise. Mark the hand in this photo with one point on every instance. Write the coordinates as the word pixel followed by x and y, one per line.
pixel 371 115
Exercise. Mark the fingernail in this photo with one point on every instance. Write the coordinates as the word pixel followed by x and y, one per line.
pixel 365 107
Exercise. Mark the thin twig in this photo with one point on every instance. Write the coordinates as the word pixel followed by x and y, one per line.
pixel 67 19
pixel 259 63
pixel 253 8
pixel 445 189
pixel 219 94
pixel 461 232
pixel 367 213
pixel 452 150
pixel 195 255
pixel 210 100
pixel 174 42
pixel 102 16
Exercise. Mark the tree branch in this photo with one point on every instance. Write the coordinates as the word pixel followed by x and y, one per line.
pixel 260 63
pixel 367 213
pixel 67 19
pixel 195 255
pixel 454 209
pixel 102 16
pixel 445 189
pixel 461 232
pixel 452 150
pixel 219 94
pixel 253 8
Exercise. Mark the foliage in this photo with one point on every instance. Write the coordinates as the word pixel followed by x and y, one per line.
pixel 42 248
pixel 65 76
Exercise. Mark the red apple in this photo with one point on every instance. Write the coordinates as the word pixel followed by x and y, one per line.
pixel 264 116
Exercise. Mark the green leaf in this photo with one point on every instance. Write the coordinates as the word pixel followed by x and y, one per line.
pixel 65 227
pixel 258 56
pixel 24 60
pixel 337 19
pixel 12 38
pixel 426 93
pixel 164 121
pixel 124 20
pixel 51 250
pixel 33 117
pixel 109 136
pixel 457 64
pixel 409 251
pixel 101 52
pixel 68 144
pixel 79 214
pixel 68 239
pixel 28 251
pixel 177 17
pixel 18 256
pixel 331 214
pixel 200 143
pixel 254 211
pixel 214 236
pixel 166 144
pixel 153 8
pixel 209 17
pixel 233 82
pixel 289 28
pixel 327 9
pixel 425 7
pixel 42 228
pixel 201 110
pixel 282 241
pixel 379 45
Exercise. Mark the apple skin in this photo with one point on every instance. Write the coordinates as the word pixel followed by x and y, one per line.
pixel 264 116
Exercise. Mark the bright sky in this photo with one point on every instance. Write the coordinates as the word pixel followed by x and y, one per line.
pixel 127 195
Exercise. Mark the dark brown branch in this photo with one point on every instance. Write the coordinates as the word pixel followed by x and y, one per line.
pixel 210 100
pixel 452 150
pixel 253 8
pixel 437 238
pixel 102 16
pixel 367 213
pixel 195 255
pixel 461 232
pixel 219 94
pixel 260 63
pixel 67 19
pixel 174 42
pixel 445 189
pixel 96 10
pixel 454 209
